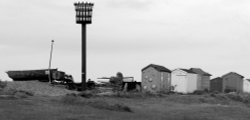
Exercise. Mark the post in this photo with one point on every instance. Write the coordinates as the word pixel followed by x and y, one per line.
pixel 50 60
pixel 84 54
pixel 83 17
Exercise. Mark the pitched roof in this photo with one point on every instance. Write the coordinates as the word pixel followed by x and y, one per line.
pixel 218 78
pixel 188 71
pixel 157 67
pixel 233 73
pixel 200 71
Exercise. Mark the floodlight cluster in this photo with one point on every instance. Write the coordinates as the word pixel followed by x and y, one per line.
pixel 83 12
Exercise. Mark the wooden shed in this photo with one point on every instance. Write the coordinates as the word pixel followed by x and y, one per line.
pixel 155 78
pixel 184 80
pixel 216 84
pixel 203 82
pixel 246 85
pixel 230 82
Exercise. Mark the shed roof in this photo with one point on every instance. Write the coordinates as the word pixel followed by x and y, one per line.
pixel 188 71
pixel 232 73
pixel 158 68
pixel 200 71
pixel 218 78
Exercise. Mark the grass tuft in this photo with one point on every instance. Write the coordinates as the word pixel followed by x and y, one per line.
pixel 86 94
pixel 74 99
pixel 3 84
pixel 113 107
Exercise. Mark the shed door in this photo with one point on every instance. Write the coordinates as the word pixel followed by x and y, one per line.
pixel 180 83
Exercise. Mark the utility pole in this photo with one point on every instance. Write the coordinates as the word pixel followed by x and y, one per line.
pixel 50 60
pixel 83 17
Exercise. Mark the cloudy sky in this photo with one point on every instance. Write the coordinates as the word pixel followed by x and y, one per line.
pixel 127 35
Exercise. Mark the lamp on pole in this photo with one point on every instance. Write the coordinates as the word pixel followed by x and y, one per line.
pixel 83 17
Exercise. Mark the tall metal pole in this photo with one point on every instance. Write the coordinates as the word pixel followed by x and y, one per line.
pixel 83 17
pixel 84 54
pixel 50 60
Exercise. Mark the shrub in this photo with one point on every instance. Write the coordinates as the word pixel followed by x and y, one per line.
pixel 136 94
pixel 245 98
pixel 86 94
pixel 199 92
pixel 219 96
pixel 120 107
pixel 229 90
pixel 115 107
pixel 2 84
pixel 236 97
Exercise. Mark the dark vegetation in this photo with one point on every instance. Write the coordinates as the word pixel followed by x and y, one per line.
pixel 73 99
pixel 13 93
pixel 2 84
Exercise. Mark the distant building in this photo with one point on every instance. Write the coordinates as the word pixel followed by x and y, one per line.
pixel 216 84
pixel 246 85
pixel 155 78
pixel 203 82
pixel 230 82
pixel 184 81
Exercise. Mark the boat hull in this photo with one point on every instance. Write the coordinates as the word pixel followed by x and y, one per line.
pixel 25 75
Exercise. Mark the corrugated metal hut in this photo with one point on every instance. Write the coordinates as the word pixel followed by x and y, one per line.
pixel 155 78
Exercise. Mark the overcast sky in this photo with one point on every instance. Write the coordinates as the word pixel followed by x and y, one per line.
pixel 127 35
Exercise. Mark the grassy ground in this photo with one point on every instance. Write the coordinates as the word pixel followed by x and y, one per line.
pixel 37 88
pixel 39 101
pixel 173 107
